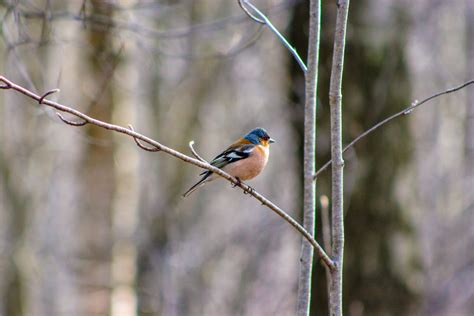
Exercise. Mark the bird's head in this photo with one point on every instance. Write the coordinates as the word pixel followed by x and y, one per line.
pixel 259 136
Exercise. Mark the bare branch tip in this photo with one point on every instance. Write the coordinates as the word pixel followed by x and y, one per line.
pixel 6 85
pixel 47 93
pixel 146 148
pixel 195 154
pixel 72 123
pixel 242 4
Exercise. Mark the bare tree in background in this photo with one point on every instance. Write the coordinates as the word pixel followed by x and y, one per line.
pixel 469 124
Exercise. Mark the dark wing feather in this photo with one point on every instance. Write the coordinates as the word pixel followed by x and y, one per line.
pixel 230 155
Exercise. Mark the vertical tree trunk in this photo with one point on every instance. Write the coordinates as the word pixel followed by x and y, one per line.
pixel 97 181
pixel 126 196
pixel 469 124
pixel 335 103
pixel 304 286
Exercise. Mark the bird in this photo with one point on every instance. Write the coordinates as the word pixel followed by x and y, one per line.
pixel 244 159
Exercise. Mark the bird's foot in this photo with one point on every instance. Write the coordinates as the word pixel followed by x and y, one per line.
pixel 238 182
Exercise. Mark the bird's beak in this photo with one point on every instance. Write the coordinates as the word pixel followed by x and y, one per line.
pixel 271 140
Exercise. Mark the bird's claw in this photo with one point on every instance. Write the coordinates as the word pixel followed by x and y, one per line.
pixel 247 190
pixel 236 184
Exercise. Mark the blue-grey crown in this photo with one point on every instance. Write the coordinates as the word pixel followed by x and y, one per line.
pixel 256 134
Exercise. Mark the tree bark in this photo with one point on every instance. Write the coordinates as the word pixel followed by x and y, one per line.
pixel 335 103
pixel 309 164
pixel 469 124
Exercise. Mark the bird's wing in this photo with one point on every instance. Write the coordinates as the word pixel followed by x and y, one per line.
pixel 232 154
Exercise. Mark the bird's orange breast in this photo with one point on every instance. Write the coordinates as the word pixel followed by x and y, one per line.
pixel 250 167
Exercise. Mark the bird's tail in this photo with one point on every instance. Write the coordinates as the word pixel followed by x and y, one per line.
pixel 197 185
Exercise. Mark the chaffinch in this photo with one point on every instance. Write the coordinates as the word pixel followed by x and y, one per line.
pixel 244 159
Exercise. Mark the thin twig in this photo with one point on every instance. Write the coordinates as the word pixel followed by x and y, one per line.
pixel 62 118
pixel 195 154
pixel 47 93
pixel 137 136
pixel 146 148
pixel 69 122
pixel 405 111
pixel 100 22
pixel 262 19
pixel 5 86
pixel 253 17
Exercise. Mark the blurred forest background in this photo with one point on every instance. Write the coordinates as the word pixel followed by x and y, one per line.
pixel 92 225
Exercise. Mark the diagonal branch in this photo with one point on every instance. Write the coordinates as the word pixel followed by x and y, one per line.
pixel 405 111
pixel 7 84
pixel 262 19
